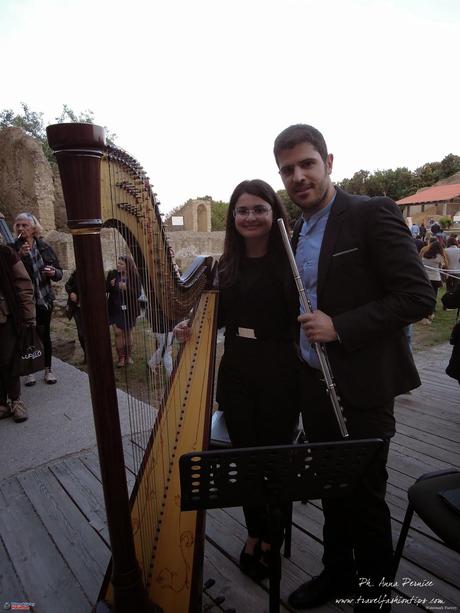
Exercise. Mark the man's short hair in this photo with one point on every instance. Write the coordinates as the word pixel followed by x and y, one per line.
pixel 297 134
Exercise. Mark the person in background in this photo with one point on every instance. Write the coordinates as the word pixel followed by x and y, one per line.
pixel 124 288
pixel 257 384
pixel 163 332
pixel 453 263
pixel 435 228
pixel 162 353
pixel 419 243
pixel 434 260
pixel 73 308
pixel 360 268
pixel 43 267
pixel 17 309
pixel 422 231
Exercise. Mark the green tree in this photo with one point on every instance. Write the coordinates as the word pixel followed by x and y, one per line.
pixel 292 209
pixel 33 124
pixel 450 165
pixel 395 184
pixel 357 184
pixel 428 174
pixel 219 211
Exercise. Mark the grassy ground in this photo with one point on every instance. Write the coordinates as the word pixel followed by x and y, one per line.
pixel 137 378
pixel 425 336
pixel 141 383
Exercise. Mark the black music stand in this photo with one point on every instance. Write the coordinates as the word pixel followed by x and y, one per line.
pixel 275 476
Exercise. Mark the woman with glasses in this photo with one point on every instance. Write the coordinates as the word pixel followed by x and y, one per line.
pixel 258 374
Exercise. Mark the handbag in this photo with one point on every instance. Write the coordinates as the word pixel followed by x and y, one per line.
pixel 29 356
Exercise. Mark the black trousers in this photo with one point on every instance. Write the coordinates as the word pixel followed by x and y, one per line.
pixel 258 390
pixel 10 386
pixel 44 331
pixel 357 529
pixel 79 324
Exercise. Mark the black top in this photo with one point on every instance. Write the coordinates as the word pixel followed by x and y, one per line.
pixel 123 304
pixel 263 299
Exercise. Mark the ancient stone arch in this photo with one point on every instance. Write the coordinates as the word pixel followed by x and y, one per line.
pixel 202 216
pixel 196 215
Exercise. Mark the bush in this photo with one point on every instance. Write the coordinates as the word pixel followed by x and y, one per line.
pixel 445 222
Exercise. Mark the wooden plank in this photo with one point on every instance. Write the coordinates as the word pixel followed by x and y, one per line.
pixel 83 550
pixel 86 492
pixel 434 384
pixel 399 479
pixel 431 439
pixel 425 458
pixel 11 588
pixel 419 450
pixel 209 606
pixel 413 467
pixel 437 559
pixel 41 569
pixel 227 534
pixel 437 588
pixel 429 422
pixel 248 597
pixel 91 461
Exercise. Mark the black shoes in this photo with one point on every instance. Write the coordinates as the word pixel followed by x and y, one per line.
pixel 251 565
pixel 321 589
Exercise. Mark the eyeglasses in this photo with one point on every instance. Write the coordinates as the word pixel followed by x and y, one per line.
pixel 257 211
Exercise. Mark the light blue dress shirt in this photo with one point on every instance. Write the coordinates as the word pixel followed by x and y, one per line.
pixel 307 258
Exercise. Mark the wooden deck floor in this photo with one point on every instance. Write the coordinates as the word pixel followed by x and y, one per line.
pixel 54 543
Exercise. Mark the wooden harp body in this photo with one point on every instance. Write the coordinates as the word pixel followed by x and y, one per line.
pixel 157 551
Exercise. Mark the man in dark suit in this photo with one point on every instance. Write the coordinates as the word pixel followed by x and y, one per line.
pixel 365 280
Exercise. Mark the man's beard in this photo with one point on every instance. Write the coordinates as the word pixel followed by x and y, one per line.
pixel 313 205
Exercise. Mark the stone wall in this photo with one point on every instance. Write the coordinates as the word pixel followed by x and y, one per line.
pixel 188 245
pixel 26 178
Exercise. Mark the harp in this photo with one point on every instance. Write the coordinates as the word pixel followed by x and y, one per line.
pixel 157 552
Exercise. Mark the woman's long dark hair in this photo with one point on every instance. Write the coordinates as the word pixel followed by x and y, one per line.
pixel 234 245
pixel 132 274
pixel 433 250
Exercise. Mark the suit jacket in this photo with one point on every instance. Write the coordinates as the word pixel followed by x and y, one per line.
pixel 372 283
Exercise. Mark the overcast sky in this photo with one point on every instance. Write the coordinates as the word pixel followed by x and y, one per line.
pixel 197 90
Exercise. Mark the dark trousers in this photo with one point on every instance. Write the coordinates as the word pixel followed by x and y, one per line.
pixel 79 324
pixel 259 394
pixel 357 529
pixel 10 387
pixel 436 285
pixel 44 331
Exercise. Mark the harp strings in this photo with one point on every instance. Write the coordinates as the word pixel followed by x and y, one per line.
pixel 138 233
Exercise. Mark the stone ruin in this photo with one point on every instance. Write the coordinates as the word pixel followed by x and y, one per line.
pixel 29 183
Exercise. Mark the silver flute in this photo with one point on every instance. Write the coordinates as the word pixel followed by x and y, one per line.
pixel 319 347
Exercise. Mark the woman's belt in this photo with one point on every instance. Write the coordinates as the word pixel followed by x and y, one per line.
pixel 257 335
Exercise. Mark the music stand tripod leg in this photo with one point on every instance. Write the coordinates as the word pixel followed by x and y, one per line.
pixel 275 526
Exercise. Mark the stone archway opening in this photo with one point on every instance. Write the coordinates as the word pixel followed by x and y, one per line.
pixel 202 218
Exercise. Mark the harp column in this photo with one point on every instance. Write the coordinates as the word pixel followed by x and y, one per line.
pixel 78 149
